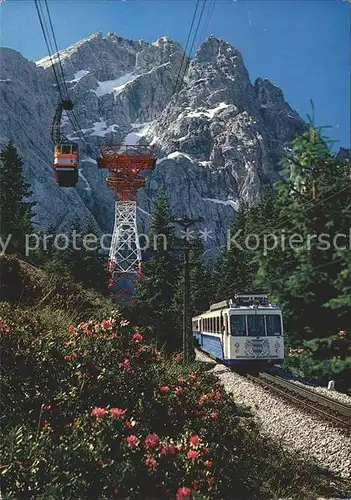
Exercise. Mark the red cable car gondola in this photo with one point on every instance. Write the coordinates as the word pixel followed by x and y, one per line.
pixel 66 164
pixel 66 155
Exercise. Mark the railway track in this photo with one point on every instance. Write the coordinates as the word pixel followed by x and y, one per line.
pixel 327 408
pixel 317 404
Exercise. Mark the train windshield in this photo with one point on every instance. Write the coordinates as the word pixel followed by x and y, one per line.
pixel 273 323
pixel 255 325
pixel 238 325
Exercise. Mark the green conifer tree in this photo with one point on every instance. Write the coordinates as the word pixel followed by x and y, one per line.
pixel 161 270
pixel 200 285
pixel 311 198
pixel 15 209
pixel 235 270
pixel 92 269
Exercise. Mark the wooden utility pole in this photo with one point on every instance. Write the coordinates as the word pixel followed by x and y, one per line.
pixel 186 222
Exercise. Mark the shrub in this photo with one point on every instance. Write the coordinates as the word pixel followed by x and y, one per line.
pixel 96 411
pixel 321 360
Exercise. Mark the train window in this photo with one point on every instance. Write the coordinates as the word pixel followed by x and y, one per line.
pixel 218 325
pixel 66 149
pixel 273 324
pixel 74 149
pixel 255 325
pixel 238 325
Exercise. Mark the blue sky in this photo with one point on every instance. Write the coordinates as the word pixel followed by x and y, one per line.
pixel 301 46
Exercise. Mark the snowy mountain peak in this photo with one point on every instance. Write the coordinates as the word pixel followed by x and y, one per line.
pixel 219 138
pixel 166 40
pixel 216 48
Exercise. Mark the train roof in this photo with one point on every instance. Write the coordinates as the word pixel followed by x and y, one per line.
pixel 243 300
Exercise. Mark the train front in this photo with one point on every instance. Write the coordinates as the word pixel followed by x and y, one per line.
pixel 256 333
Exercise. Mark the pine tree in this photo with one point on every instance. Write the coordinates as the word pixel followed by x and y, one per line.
pixel 235 267
pixel 311 198
pixel 161 269
pixel 81 259
pixel 15 209
pixel 201 285
pixel 92 268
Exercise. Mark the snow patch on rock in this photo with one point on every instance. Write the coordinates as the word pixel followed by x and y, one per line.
pixel 209 113
pixel 232 203
pixel 116 85
pixel 134 137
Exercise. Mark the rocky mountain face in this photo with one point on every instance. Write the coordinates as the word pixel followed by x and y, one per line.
pixel 218 140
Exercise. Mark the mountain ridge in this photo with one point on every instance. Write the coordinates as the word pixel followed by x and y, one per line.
pixel 219 139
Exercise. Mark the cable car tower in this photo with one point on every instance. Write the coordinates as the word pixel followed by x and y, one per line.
pixel 125 165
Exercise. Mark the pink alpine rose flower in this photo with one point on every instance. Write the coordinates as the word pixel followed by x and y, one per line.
pixel 196 484
pixel 151 462
pixel 194 440
pixel 132 441
pixel 137 338
pixel 164 389
pixel 151 441
pixel 214 415
pixel 70 328
pixel 98 412
pixel 125 365
pixel 210 482
pixel 106 324
pixel 183 493
pixel 169 449
pixel 179 358
pixel 117 412
pixel 192 454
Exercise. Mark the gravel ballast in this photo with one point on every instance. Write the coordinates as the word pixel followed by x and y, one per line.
pixel 327 445
pixel 337 396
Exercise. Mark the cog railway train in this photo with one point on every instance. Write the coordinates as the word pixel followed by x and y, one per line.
pixel 245 332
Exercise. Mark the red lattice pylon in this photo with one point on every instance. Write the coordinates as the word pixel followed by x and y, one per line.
pixel 125 165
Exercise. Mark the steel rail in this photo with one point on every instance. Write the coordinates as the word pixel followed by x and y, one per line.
pixel 328 408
